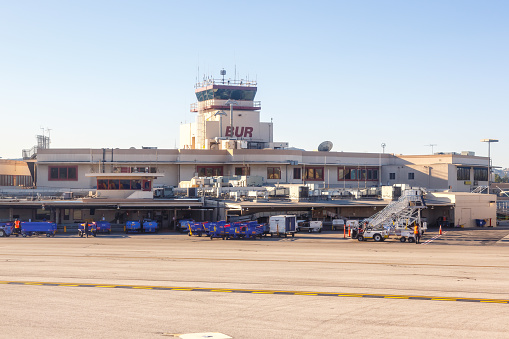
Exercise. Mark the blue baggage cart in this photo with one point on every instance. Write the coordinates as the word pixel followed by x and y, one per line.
pixel 196 228
pixel 217 230
pixel 183 225
pixel 35 228
pixel 132 226
pixel 252 230
pixel 103 227
pixel 6 229
pixel 91 230
pixel 150 226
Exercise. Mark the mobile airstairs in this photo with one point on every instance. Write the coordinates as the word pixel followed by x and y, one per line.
pixel 397 218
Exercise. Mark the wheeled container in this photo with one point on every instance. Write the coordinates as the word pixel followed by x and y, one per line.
pixel 282 225
pixel 150 226
pixel 132 226
pixel 183 225
pixel 30 228
pixel 197 228
pixel 251 231
pixel 6 229
pixel 103 227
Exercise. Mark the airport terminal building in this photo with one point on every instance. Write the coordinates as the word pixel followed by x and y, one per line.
pixel 227 147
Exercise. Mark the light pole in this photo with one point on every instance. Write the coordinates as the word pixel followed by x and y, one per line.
pixel 231 103
pixel 489 141
pixel 380 164
pixel 221 114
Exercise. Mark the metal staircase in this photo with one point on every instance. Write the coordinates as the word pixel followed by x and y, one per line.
pixel 479 189
pixel 402 212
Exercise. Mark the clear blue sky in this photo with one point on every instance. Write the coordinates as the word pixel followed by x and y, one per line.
pixel 358 73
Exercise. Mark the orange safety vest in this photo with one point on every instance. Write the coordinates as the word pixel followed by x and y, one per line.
pixel 16 224
pixel 416 229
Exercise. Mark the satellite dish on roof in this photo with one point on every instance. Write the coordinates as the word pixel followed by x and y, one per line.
pixel 325 146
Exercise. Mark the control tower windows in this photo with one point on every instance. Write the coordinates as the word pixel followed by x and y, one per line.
pixel 226 94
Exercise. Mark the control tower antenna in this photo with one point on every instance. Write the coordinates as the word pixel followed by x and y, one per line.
pixel 223 73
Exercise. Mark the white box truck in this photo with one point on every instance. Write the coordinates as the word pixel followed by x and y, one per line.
pixel 282 225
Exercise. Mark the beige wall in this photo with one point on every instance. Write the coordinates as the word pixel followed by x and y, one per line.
pixel 470 206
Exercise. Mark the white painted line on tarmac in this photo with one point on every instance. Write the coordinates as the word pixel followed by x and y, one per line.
pixel 504 240
pixel 433 239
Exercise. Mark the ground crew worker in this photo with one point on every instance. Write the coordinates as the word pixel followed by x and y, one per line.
pixel 416 234
pixel 17 227
pixel 86 228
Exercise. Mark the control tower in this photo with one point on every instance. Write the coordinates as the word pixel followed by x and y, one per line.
pixel 227 117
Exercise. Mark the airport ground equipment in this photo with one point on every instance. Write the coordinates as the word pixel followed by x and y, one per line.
pixel 311 226
pixel 103 227
pixel 183 225
pixel 399 217
pixel 29 228
pixel 197 228
pixel 375 234
pixel 217 230
pixel 283 225
pixel 238 230
pixel 92 229
pixel 150 226
pixel 133 226
pixel 338 224
pixel 6 229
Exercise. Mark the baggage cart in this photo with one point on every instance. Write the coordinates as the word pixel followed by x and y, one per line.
pixel 132 226
pixel 150 226
pixel 6 229
pixel 29 228
pixel 103 227
pixel 196 228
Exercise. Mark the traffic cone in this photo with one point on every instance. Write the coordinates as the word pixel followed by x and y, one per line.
pixel 349 234
pixel 440 230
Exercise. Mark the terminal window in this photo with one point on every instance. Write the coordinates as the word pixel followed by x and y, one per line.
pixel 63 173
pixel 209 171
pixel 116 184
pixel 357 174
pixel 463 173
pixel 480 174
pixel 242 171
pixel 392 176
pixel 313 173
pixel 411 176
pixel 273 173
pixel 296 173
